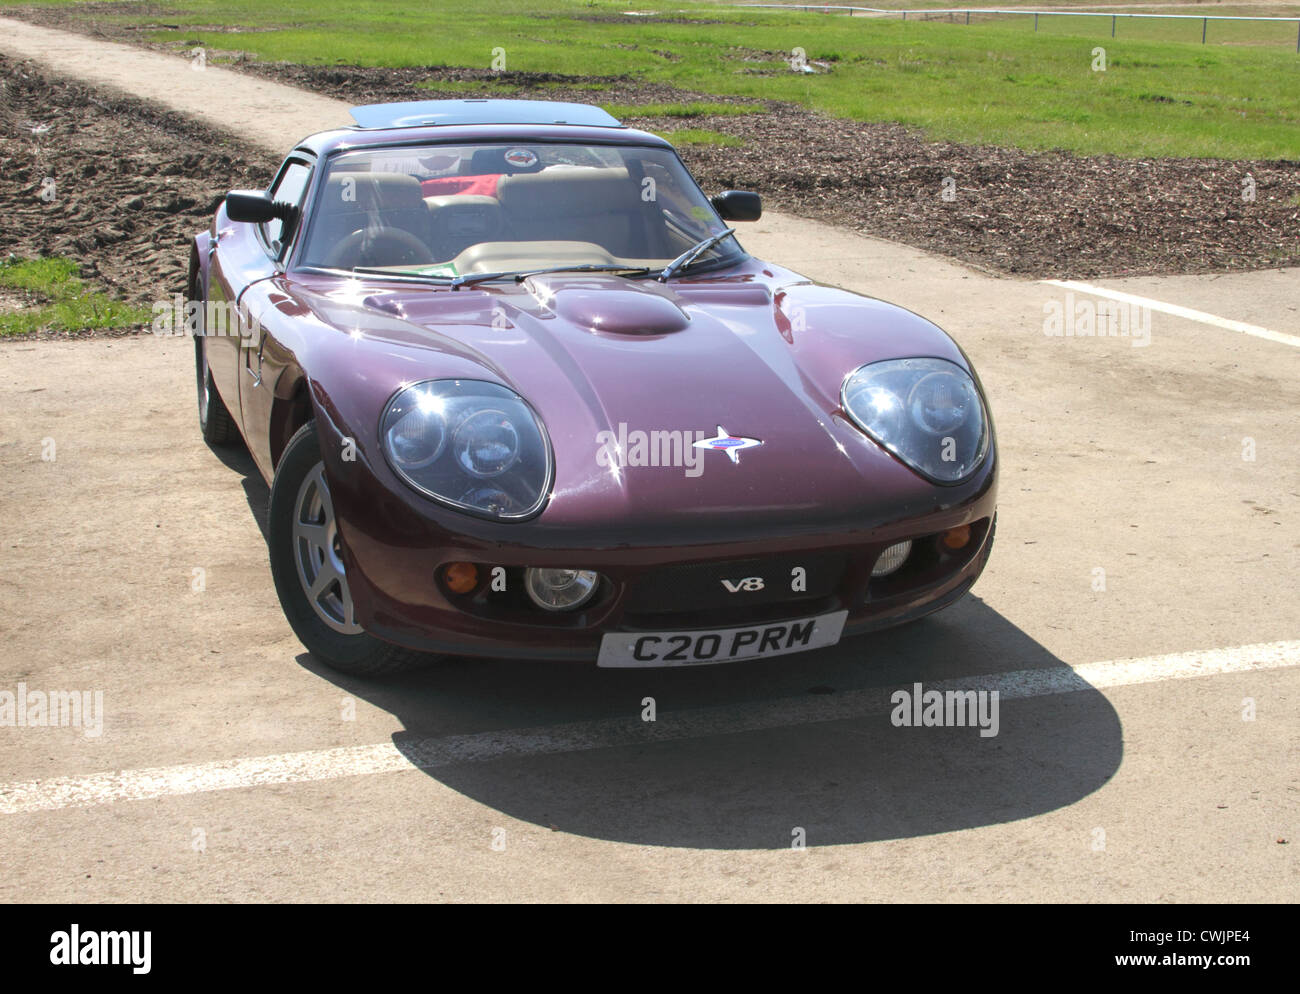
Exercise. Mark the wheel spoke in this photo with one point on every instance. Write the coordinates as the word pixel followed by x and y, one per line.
pixel 324 579
pixel 323 494
pixel 345 598
pixel 315 535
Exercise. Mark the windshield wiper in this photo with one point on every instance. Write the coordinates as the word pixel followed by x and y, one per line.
pixel 471 279
pixel 692 253
pixel 423 277
pixel 629 271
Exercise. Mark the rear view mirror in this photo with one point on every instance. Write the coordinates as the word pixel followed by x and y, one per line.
pixel 738 205
pixel 255 207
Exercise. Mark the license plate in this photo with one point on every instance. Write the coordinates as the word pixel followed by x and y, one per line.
pixel 699 648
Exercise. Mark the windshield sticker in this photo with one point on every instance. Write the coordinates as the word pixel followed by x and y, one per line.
pixel 441 269
pixel 521 158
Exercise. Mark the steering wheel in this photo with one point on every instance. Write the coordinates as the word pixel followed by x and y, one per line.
pixel 368 243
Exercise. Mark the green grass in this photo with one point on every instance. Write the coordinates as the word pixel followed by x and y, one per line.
pixel 701 136
pixel 996 81
pixel 694 109
pixel 66 304
pixel 493 88
pixel 1281 8
pixel 1186 30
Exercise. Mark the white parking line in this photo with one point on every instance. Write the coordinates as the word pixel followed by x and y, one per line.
pixel 1180 312
pixel 429 753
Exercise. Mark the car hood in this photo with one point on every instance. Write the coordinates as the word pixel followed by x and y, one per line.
pixel 628 374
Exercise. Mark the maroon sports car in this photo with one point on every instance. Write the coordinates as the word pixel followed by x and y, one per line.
pixel 518 391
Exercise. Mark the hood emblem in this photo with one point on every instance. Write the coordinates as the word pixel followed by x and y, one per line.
pixel 728 443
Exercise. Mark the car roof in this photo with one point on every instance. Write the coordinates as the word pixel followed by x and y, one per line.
pixel 426 113
pixel 418 122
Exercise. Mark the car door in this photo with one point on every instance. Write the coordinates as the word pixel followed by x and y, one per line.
pixel 257 309
pixel 243 255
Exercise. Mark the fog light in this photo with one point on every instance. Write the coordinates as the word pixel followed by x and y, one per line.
pixel 460 578
pixel 560 589
pixel 957 538
pixel 891 559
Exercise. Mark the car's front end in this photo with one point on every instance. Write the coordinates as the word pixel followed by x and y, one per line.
pixel 562 484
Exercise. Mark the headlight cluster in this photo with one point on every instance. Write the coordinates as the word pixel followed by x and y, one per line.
pixel 925 411
pixel 469 443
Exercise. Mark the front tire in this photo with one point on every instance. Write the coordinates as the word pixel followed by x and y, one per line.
pixel 308 570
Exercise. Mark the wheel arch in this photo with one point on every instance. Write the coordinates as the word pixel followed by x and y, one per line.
pixel 197 276
pixel 290 410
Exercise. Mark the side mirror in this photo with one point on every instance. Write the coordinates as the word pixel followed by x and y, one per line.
pixel 255 207
pixel 738 205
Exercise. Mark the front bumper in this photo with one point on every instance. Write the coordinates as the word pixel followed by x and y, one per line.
pixel 399 598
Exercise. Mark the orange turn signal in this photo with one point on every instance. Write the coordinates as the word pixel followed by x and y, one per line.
pixel 460 578
pixel 957 538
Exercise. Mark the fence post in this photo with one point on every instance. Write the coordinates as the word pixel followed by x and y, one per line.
pixel 1112 25
pixel 1297 41
pixel 1204 23
pixel 1035 22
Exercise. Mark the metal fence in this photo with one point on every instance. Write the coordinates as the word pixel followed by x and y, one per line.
pixel 929 12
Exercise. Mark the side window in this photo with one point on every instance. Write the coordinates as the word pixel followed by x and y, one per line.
pixel 289 189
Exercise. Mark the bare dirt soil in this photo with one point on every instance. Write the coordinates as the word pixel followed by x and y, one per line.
pixel 115 184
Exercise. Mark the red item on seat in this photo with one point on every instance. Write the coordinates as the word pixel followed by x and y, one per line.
pixel 442 186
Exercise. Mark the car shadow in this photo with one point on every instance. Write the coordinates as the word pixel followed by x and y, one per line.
pixel 236 457
pixel 836 776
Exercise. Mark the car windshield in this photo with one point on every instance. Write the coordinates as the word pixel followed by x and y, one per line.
pixel 448 211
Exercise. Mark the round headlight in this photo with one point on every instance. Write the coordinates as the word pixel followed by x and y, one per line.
pixel 487 444
pixel 416 439
pixel 560 589
pixel 941 402
pixel 927 412
pixel 449 438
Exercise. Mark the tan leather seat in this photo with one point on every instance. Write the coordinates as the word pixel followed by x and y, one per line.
pixel 579 204
pixel 460 220
pixel 486 257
